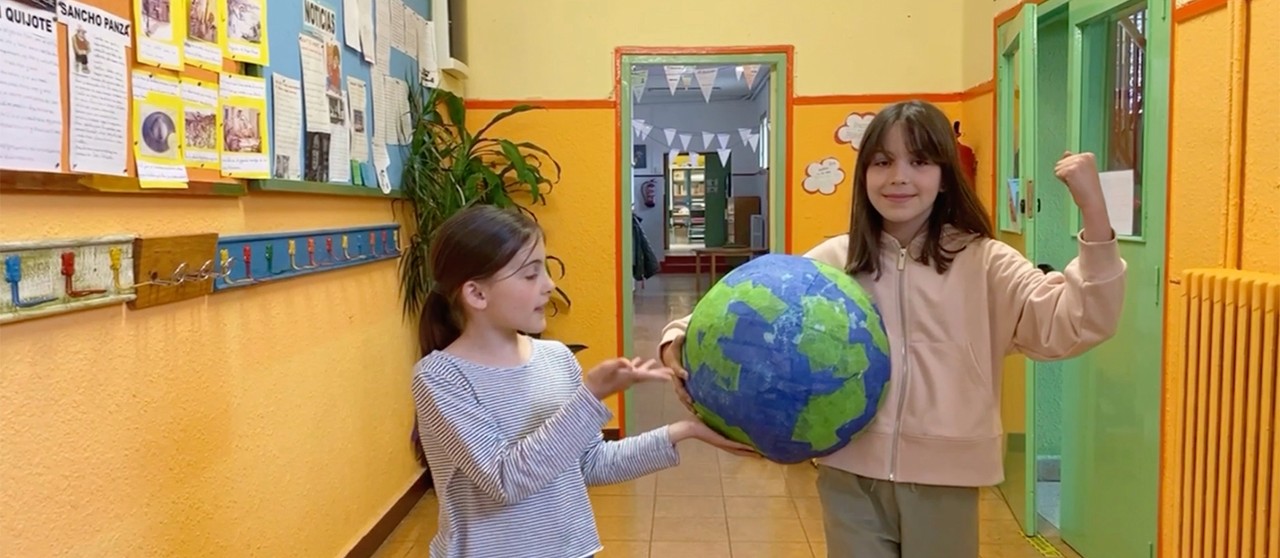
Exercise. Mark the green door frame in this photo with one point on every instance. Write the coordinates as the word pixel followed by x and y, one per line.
pixel 778 64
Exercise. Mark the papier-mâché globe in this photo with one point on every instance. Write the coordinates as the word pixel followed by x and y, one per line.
pixel 788 355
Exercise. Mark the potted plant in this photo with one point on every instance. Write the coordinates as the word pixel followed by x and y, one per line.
pixel 446 169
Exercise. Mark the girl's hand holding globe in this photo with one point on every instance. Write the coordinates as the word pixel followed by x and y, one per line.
pixel 671 359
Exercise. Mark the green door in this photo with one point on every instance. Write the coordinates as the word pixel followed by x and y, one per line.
pixel 717 199
pixel 1016 141
pixel 1119 75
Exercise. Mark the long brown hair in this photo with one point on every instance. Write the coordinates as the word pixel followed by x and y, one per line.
pixel 473 244
pixel 929 136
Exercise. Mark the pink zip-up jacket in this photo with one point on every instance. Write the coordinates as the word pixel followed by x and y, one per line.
pixel 939 422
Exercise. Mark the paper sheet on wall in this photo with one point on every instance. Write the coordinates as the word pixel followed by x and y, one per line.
pixel 98 79
pixel 244 126
pixel 1117 190
pixel 340 150
pixel 428 63
pixel 246 29
pixel 31 110
pixel 158 131
pixel 319 19
pixel 351 19
pixel 395 32
pixel 412 28
pixel 368 45
pixel 399 118
pixel 204 43
pixel 161 32
pixel 200 115
pixel 382 34
pixel 358 98
pixel 314 83
pixel 381 167
pixel 286 101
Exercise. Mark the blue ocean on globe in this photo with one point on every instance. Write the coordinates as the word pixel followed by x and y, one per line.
pixel 788 355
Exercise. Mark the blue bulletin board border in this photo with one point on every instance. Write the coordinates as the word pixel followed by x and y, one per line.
pixel 284 18
pixel 255 259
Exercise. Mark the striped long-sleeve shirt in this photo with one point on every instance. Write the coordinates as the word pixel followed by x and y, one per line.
pixel 512 451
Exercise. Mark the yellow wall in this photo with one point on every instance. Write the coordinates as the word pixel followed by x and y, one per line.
pixel 270 421
pixel 1199 205
pixel 563 49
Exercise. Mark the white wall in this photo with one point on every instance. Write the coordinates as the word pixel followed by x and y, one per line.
pixel 695 118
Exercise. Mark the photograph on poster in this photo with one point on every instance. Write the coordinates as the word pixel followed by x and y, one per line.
pixel 157 131
pixel 240 130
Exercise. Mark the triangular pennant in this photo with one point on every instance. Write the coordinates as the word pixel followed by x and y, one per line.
pixel 738 72
pixel 671 157
pixel 706 139
pixel 745 134
pixel 671 135
pixel 750 72
pixel 637 125
pixel 695 160
pixel 754 142
pixel 724 140
pixel 673 76
pixel 724 155
pixel 639 80
pixel 684 141
pixel 685 80
pixel 644 131
pixel 707 81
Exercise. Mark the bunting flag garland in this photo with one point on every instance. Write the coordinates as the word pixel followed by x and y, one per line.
pixel 744 133
pixel 724 155
pixel 670 133
pixel 707 81
pixel 706 138
pixel 750 72
pixel 738 71
pixel 673 76
pixel 724 140
pixel 639 79
pixel 684 140
pixel 711 141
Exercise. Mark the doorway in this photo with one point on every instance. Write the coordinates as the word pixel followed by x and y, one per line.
pixel 1083 434
pixel 702 138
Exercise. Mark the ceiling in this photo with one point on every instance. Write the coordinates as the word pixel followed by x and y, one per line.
pixel 728 87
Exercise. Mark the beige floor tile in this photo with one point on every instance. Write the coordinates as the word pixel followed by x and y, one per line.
pixel 809 507
pixel 688 485
pixel 766 529
pixel 625 549
pixel 819 549
pixel 771 550
pixel 638 528
pixel 690 529
pixel 689 506
pixel 1022 550
pixel 643 485
pixel 686 549
pixel 760 506
pixel 754 486
pixel 621 505
pixel 1000 532
pixel 814 528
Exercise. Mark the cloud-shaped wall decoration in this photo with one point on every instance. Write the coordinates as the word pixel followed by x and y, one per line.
pixel 823 176
pixel 854 126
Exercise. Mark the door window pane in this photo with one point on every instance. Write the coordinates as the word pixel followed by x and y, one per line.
pixel 1117 133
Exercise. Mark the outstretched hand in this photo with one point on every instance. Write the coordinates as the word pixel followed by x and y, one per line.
pixel 617 374
pixel 695 429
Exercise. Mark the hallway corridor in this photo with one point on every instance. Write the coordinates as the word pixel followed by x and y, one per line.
pixel 714 504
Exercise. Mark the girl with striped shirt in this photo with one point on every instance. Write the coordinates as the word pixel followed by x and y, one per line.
pixel 510 427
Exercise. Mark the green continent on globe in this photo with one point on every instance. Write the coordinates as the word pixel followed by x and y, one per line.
pixel 826 413
pixel 863 300
pixel 705 344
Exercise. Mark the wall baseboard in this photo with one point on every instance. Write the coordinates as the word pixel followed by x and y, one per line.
pixel 381 531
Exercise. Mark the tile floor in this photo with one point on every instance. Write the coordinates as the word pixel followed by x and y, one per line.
pixel 714 504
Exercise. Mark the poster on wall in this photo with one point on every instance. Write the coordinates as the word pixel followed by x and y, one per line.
pixel 203 47
pixel 244 126
pixel 200 122
pixel 161 32
pixel 158 131
pixel 31 110
pixel 98 83
pixel 246 31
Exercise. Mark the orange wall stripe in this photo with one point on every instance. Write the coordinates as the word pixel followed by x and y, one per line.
pixel 811 100
pixel 1196 8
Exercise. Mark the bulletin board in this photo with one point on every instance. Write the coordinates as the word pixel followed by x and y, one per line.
pixel 286 22
pixel 203 182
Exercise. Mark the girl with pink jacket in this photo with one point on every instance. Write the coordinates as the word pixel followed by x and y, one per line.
pixel 954 301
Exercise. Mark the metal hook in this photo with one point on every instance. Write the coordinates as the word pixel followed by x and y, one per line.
pixel 225 274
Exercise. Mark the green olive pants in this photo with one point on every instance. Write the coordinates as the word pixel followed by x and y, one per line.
pixel 867 518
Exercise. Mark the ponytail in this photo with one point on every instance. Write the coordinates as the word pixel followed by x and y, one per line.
pixel 437 329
